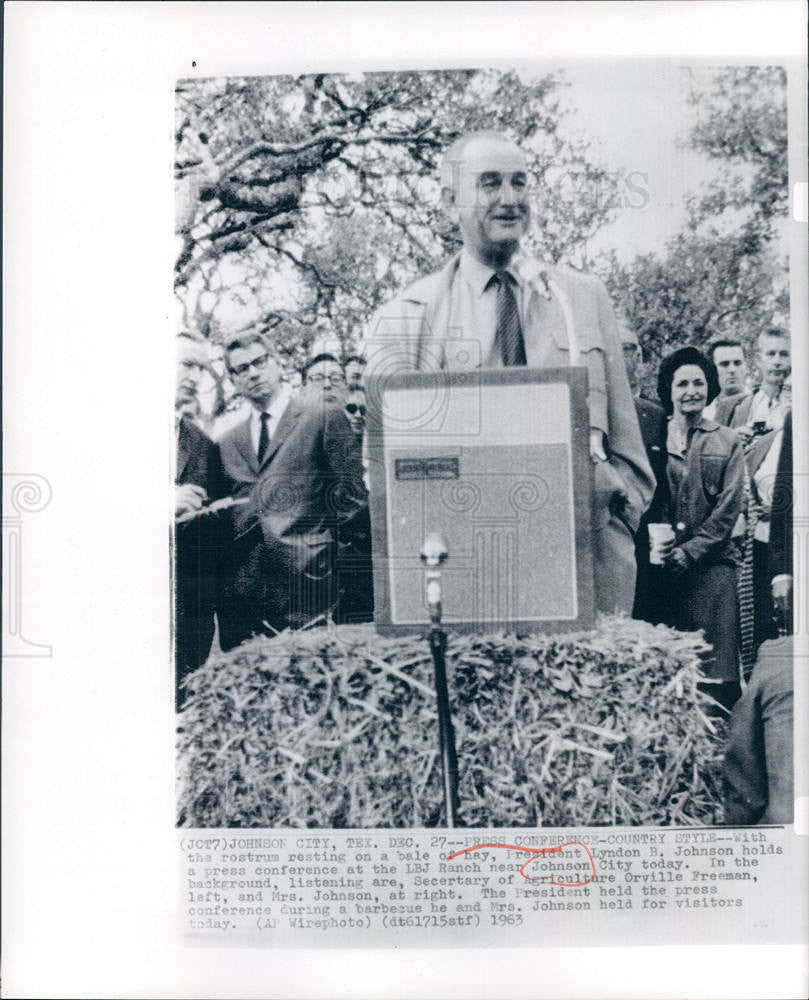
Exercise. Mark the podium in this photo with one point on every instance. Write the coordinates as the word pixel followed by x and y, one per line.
pixel 497 461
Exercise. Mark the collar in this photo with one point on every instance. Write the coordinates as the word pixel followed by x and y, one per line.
pixel 477 274
pixel 277 405
pixel 676 446
pixel 706 425
pixel 772 401
pixel 524 269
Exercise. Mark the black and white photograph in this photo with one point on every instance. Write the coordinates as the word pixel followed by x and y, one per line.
pixel 404 515
pixel 484 448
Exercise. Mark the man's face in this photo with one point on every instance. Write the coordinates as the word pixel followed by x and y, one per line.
pixel 192 362
pixel 731 369
pixel 354 373
pixel 325 383
pixel 255 373
pixel 489 199
pixel 774 360
pixel 355 411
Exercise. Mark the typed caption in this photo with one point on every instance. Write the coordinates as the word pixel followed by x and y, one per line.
pixel 387 888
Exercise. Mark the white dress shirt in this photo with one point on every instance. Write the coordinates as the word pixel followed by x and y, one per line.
pixel 473 312
pixel 768 409
pixel 474 306
pixel 275 410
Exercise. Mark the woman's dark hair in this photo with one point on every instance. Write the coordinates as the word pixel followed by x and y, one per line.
pixel 670 364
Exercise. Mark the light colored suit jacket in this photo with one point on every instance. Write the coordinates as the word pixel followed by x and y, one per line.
pixel 414 333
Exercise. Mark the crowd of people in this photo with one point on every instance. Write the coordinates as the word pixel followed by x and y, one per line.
pixel 717 489
pixel 721 447
pixel 690 495
pixel 273 529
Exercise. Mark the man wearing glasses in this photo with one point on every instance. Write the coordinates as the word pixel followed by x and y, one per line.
pixel 323 380
pixel 297 463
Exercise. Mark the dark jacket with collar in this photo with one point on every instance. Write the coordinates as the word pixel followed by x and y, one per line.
pixel 727 407
pixel 781 523
pixel 708 501
pixel 196 553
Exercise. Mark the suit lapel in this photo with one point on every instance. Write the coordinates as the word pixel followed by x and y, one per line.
pixel 288 420
pixel 244 445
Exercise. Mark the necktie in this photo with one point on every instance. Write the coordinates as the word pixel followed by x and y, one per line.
pixel 508 333
pixel 263 437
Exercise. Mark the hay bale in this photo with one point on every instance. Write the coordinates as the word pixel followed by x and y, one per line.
pixel 338 728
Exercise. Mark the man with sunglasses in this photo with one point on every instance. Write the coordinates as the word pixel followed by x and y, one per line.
pixel 355 411
pixel 357 585
pixel 297 464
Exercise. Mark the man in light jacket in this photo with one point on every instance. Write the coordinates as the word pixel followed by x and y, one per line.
pixel 515 310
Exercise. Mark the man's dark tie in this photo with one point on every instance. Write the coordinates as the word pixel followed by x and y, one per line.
pixel 508 333
pixel 263 437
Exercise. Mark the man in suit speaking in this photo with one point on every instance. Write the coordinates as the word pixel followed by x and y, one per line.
pixel 299 466
pixel 514 310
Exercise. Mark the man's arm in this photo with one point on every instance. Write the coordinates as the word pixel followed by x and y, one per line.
pixel 627 454
pixel 202 479
pixel 745 776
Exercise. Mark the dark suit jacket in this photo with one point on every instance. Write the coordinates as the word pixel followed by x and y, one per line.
pixel 782 505
pixel 649 581
pixel 726 409
pixel 284 539
pixel 758 770
pixel 196 545
pixel 738 414
pixel 653 429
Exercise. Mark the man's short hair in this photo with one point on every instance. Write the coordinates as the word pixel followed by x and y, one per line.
pixel 355 357
pixel 245 340
pixel 773 331
pixel 455 153
pixel 314 361
pixel 723 343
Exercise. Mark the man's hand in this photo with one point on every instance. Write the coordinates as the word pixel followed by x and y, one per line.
pixel 746 434
pixel 674 558
pixel 188 497
pixel 597 452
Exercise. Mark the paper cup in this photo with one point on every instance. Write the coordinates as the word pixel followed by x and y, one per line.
pixel 659 535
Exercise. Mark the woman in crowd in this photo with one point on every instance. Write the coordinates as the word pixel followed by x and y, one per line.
pixel 705 469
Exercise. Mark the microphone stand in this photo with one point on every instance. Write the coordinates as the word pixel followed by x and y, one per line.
pixel 433 553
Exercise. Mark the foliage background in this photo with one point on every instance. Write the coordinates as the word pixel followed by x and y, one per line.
pixel 304 203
